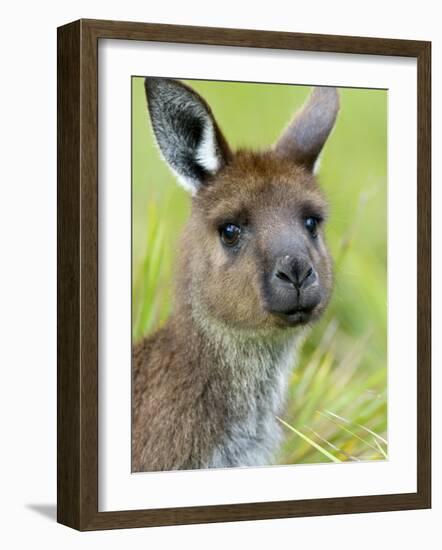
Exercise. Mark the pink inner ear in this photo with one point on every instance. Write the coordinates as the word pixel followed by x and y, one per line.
pixel 306 135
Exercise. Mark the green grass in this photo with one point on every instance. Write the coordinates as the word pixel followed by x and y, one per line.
pixel 337 401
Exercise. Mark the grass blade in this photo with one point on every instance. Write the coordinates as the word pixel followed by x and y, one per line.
pixel 374 434
pixel 310 441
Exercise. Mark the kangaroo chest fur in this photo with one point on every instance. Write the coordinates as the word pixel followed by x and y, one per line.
pixel 210 404
pixel 258 379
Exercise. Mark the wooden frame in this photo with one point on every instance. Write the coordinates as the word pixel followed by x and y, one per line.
pixel 77 459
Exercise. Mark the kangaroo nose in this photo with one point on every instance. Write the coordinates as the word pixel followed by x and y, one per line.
pixel 295 271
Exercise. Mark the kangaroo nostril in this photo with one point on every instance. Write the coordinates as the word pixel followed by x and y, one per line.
pixel 281 275
pixel 307 275
pixel 305 278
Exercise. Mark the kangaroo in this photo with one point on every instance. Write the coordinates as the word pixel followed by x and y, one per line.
pixel 253 270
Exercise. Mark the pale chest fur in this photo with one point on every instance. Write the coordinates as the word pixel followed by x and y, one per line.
pixel 252 433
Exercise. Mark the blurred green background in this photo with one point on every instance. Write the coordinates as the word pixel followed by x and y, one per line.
pixel 337 402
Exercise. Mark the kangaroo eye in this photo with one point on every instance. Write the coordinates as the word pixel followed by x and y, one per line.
pixel 311 224
pixel 230 234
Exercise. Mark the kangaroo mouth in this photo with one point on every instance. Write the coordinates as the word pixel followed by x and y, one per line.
pixel 295 316
pixel 298 309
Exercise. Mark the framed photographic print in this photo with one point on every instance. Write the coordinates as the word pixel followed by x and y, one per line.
pixel 243 274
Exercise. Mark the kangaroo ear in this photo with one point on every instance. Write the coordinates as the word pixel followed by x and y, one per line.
pixel 305 136
pixel 186 132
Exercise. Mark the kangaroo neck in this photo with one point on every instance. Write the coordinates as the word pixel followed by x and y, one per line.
pixel 234 351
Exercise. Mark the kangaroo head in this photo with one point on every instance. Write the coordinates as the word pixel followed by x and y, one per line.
pixel 253 253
